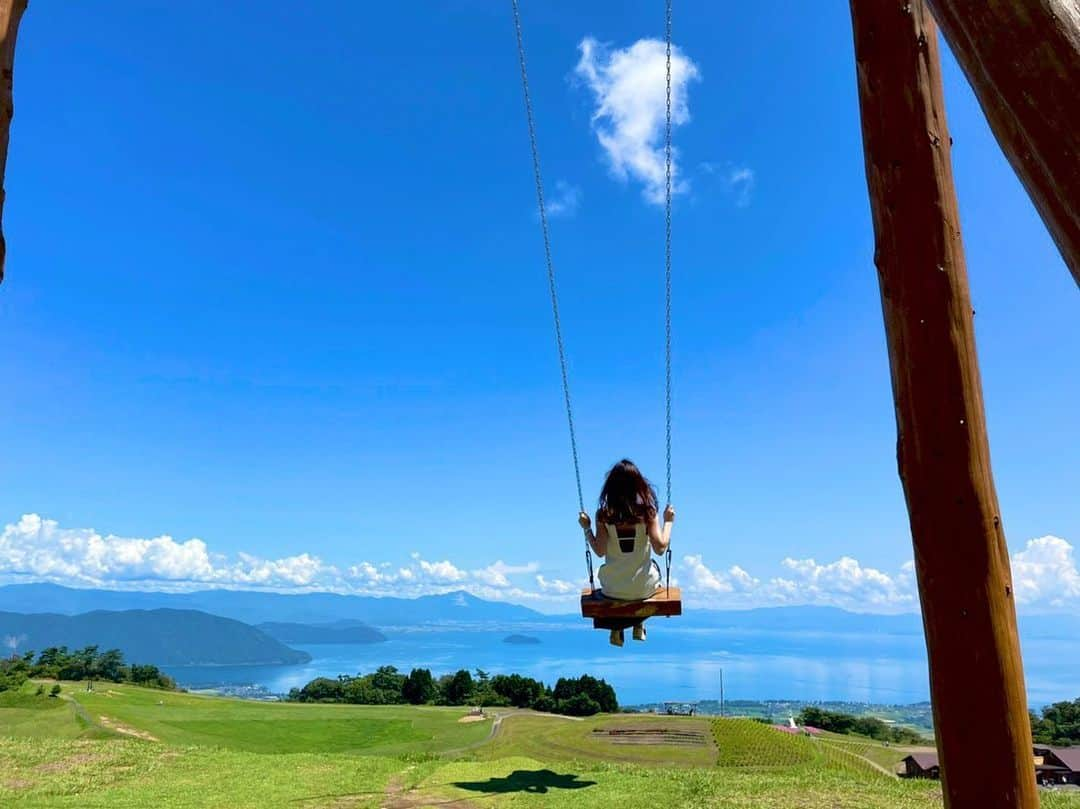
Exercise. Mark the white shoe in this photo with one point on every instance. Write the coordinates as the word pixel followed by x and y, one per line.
pixel 639 632
pixel 616 637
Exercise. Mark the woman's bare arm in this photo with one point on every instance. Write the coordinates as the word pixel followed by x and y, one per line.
pixel 660 538
pixel 597 541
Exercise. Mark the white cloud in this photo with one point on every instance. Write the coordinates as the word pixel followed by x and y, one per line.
pixel 705 581
pixel 1045 577
pixel 1045 573
pixel 496 575
pixel 40 549
pixel 444 571
pixel 843 583
pixel 629 87
pixel 555 586
pixel 738 181
pixel 565 201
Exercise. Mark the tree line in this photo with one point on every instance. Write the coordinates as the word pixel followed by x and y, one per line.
pixel 1059 724
pixel 869 726
pixel 88 663
pixel 582 696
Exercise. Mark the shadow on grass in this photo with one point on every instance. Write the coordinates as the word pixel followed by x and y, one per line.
pixel 538 781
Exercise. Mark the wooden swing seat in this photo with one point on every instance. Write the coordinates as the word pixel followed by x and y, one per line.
pixel 609 613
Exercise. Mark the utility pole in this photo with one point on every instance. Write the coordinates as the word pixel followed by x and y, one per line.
pixel 721 693
pixel 943 452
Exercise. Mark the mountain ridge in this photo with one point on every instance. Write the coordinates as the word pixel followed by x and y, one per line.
pixel 164 637
pixel 460 608
pixel 255 607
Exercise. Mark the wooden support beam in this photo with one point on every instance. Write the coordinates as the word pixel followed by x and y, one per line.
pixel 11 12
pixel 961 559
pixel 1022 58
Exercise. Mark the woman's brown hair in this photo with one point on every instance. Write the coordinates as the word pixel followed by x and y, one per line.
pixel 627 496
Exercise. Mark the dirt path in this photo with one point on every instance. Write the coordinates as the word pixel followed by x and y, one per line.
pixel 398 797
pixel 497 723
pixel 855 755
pixel 127 730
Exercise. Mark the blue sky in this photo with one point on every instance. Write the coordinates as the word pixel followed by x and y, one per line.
pixel 275 284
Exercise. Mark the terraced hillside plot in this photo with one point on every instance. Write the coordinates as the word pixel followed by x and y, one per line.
pixel 648 735
pixel 548 738
pixel 746 743
pixel 886 757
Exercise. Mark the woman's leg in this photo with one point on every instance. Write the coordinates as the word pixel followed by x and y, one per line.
pixel 616 637
pixel 639 630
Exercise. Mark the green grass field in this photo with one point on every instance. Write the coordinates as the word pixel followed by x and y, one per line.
pixel 122 746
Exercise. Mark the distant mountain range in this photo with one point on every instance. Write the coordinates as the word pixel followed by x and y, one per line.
pixel 329 615
pixel 254 607
pixel 805 619
pixel 338 632
pixel 163 637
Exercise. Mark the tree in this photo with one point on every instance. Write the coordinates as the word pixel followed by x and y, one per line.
pixel 580 704
pixel 545 704
pixel 149 675
pixel 321 689
pixel 109 665
pixel 419 687
pixel 521 692
pixel 388 678
pixel 51 661
pixel 597 690
pixel 1059 725
pixel 458 689
pixel 827 720
pixel 14 671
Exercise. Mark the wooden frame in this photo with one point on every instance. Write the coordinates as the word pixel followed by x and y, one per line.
pixel 961 558
pixel 11 12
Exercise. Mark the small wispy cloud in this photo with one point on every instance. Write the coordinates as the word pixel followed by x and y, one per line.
pixel 741 184
pixel 738 181
pixel 556 586
pixel 629 90
pixel 565 201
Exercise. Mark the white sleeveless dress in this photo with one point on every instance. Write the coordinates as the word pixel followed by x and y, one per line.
pixel 629 572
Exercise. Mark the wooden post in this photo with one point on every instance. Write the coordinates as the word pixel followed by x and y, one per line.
pixel 961 560
pixel 11 12
pixel 1022 58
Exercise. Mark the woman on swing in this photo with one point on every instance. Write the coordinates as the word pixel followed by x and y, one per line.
pixel 627 534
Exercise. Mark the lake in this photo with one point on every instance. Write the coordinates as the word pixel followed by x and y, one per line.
pixel 678 664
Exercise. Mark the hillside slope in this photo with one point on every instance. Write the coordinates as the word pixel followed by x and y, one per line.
pixel 338 632
pixel 164 637
pixel 258 607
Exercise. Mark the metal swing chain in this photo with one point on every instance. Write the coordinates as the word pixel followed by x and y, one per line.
pixel 551 275
pixel 667 277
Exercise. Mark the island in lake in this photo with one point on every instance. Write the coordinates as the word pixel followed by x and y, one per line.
pixel 521 640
